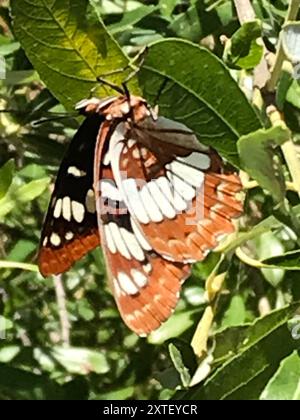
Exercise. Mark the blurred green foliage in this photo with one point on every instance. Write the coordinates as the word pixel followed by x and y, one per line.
pixel 249 355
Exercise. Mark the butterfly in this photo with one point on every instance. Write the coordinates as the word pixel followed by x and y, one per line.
pixel 154 197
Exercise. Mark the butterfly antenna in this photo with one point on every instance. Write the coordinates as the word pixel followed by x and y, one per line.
pixel 160 91
pixel 140 57
pixel 45 120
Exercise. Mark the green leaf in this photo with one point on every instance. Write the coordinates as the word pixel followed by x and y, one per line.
pixel 131 18
pixel 179 365
pixel 291 41
pixel 174 327
pixel 8 353
pixel 68 45
pixel 18 384
pixel 23 194
pixel 32 190
pixel 285 384
pixel 167 7
pixel 75 360
pixel 236 312
pixel 199 20
pixel 256 152
pixel 81 361
pixel 293 93
pixel 199 92
pixel 33 171
pixel 286 89
pixel 188 25
pixel 243 51
pixel 248 372
pixel 274 247
pixel 20 77
pixel 22 249
pixel 228 342
pixel 9 48
pixel 287 261
pixel 6 177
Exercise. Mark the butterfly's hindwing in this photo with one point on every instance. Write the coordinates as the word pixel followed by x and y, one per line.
pixel 179 197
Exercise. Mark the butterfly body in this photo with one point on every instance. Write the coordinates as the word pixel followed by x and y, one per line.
pixel 158 199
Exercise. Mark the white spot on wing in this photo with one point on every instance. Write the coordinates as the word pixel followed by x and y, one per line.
pixel 66 208
pixel 161 200
pixel 90 202
pixel 69 236
pixel 45 241
pixel 78 211
pixel 139 278
pixel 131 143
pixel 127 284
pixel 119 240
pixel 191 175
pixel 140 236
pixel 57 208
pixel 136 153
pixel 55 239
pixel 136 204
pixel 172 195
pixel 109 239
pixel 153 210
pixel 72 170
pixel 132 244
pixel 147 268
pixel 110 191
pixel 106 159
pixel 183 188
pixel 117 289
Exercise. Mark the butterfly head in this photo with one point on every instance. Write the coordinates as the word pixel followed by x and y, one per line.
pixel 122 107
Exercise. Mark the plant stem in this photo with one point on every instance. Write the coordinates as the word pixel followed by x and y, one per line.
pixel 244 10
pixel 248 260
pixel 280 56
pixel 293 10
pixel 245 14
pixel 19 265
pixel 62 310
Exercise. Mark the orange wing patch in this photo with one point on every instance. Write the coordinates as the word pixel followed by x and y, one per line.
pixel 53 261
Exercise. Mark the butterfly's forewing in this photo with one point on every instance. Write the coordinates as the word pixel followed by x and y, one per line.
pixel 70 229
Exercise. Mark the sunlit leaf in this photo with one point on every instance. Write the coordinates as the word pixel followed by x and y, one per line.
pixel 255 359
pixel 6 176
pixel 243 50
pixel 256 152
pixel 68 45
pixel 285 384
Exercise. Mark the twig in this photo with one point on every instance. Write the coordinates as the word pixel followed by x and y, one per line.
pixel 244 10
pixel 248 260
pixel 19 265
pixel 62 310
pixel 245 14
pixel 280 55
